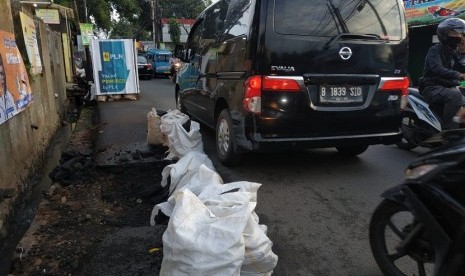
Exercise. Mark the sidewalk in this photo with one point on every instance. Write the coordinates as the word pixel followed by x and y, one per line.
pixel 95 221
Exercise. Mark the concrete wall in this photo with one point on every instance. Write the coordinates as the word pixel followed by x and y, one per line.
pixel 22 148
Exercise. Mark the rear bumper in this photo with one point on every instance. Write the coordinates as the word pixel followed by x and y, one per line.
pixel 166 72
pixel 145 72
pixel 258 143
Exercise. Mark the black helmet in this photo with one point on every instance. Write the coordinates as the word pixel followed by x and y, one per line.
pixel 450 24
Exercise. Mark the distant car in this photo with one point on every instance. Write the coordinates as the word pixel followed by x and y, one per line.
pixel 144 67
pixel 160 59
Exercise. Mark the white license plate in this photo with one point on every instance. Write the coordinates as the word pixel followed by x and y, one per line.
pixel 341 94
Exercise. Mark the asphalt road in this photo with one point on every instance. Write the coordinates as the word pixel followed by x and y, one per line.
pixel 316 204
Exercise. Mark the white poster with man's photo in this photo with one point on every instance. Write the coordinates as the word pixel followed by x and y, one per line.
pixel 15 90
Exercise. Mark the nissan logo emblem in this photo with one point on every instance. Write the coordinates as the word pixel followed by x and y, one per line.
pixel 345 53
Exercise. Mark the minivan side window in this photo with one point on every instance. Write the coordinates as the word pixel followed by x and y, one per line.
pixel 214 23
pixel 238 19
pixel 194 39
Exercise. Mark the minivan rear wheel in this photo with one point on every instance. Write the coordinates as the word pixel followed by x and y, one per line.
pixel 352 150
pixel 225 144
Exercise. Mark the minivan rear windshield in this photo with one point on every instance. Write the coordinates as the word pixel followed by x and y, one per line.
pixel 329 18
pixel 162 57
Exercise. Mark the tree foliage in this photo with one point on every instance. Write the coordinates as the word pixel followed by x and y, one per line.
pixel 125 29
pixel 174 30
pixel 134 16
pixel 101 10
pixel 183 8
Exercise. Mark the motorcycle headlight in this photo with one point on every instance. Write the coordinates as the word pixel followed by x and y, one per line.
pixel 419 171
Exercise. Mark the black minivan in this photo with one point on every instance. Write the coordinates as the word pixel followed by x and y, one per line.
pixel 272 74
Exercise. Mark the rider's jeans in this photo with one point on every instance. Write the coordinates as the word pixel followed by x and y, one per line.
pixel 451 98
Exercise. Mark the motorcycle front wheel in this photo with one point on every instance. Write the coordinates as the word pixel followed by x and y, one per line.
pixel 399 243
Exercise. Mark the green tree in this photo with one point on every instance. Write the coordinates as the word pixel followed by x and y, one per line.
pixel 123 28
pixel 137 13
pixel 174 30
pixel 183 8
pixel 100 11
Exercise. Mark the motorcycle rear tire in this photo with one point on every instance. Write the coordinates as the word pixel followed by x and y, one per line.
pixel 404 142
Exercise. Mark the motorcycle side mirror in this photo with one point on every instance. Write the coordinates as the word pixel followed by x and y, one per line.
pixel 179 52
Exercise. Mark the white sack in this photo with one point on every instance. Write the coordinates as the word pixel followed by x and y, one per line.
pixel 205 240
pixel 259 259
pixel 181 142
pixel 211 192
pixel 194 171
pixel 154 135
pixel 181 172
pixel 171 118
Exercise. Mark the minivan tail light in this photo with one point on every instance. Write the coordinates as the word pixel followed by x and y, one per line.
pixel 281 84
pixel 255 84
pixel 252 101
pixel 396 84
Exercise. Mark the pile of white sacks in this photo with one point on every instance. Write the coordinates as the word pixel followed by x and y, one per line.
pixel 213 228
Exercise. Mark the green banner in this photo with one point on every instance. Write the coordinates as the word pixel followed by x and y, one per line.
pixel 87 33
pixel 428 12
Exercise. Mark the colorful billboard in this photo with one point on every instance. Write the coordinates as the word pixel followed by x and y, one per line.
pixel 428 12
pixel 15 90
pixel 114 66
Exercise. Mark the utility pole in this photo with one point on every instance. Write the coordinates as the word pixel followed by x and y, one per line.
pixel 85 11
pixel 154 22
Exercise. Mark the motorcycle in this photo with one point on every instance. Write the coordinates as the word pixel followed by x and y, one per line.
pixel 174 71
pixel 421 123
pixel 419 227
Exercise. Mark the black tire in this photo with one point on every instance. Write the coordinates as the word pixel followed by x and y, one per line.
pixel 408 124
pixel 380 221
pixel 224 140
pixel 352 150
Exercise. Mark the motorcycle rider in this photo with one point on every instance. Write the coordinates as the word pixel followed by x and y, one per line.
pixel 174 62
pixel 440 78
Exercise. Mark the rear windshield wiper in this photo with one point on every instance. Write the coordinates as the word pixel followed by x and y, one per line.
pixel 349 36
pixel 336 13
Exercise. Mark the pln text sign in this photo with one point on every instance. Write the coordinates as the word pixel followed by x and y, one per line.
pixel 423 13
pixel 114 66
